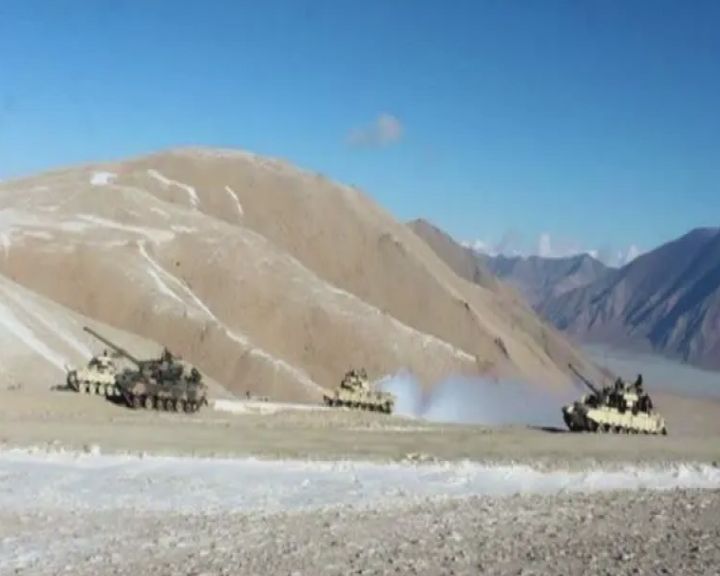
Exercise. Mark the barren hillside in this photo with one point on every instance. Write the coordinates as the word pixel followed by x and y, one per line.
pixel 271 279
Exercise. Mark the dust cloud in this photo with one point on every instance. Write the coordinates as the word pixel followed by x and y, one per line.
pixel 477 401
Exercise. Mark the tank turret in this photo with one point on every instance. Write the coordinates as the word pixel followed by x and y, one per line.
pixel 98 377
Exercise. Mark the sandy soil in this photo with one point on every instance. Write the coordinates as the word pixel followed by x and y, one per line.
pixel 66 419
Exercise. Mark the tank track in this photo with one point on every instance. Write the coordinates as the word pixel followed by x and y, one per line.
pixel 149 402
pixel 368 406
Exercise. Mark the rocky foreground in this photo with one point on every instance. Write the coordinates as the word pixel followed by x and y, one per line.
pixel 642 532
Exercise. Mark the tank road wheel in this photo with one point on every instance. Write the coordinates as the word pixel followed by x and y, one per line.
pixel 177 405
pixel 168 405
pixel 181 405
pixel 148 403
pixel 136 402
pixel 604 428
pixel 616 429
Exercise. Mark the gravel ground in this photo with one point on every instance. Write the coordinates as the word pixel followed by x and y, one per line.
pixel 74 421
pixel 157 528
pixel 641 532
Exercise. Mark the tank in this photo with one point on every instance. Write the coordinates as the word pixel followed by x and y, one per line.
pixel 98 377
pixel 165 383
pixel 355 392
pixel 620 409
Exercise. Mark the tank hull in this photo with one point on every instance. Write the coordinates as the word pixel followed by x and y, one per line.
pixel 581 418
pixel 139 392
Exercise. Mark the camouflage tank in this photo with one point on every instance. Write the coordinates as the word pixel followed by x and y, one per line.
pixel 165 383
pixel 620 409
pixel 98 377
pixel 355 392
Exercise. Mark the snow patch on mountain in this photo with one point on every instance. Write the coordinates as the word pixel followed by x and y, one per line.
pixel 154 234
pixel 168 182
pixel 40 316
pixel 236 200
pixel 102 178
pixel 10 324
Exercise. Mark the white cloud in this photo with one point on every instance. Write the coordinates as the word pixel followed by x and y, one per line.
pixel 481 246
pixel 384 130
pixel 548 246
pixel 544 248
pixel 632 253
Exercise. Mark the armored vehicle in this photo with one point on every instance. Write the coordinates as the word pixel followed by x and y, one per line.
pixel 165 383
pixel 98 377
pixel 619 409
pixel 355 392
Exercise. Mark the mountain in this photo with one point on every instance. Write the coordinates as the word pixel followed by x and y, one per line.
pixel 468 265
pixel 667 300
pixel 535 277
pixel 269 278
pixel 539 279
pixel 39 339
pixel 464 261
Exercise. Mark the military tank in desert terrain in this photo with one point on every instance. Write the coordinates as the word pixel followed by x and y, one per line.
pixel 619 409
pixel 98 377
pixel 355 392
pixel 164 383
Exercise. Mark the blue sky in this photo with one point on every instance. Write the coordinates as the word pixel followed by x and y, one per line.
pixel 596 123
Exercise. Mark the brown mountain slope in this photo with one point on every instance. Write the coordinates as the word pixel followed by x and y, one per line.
pixel 271 279
pixel 40 339
pixel 466 264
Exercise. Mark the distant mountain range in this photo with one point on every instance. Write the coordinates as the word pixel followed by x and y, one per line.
pixel 539 279
pixel 666 301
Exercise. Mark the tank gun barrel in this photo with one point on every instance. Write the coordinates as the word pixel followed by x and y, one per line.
pixel 115 347
pixel 584 380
